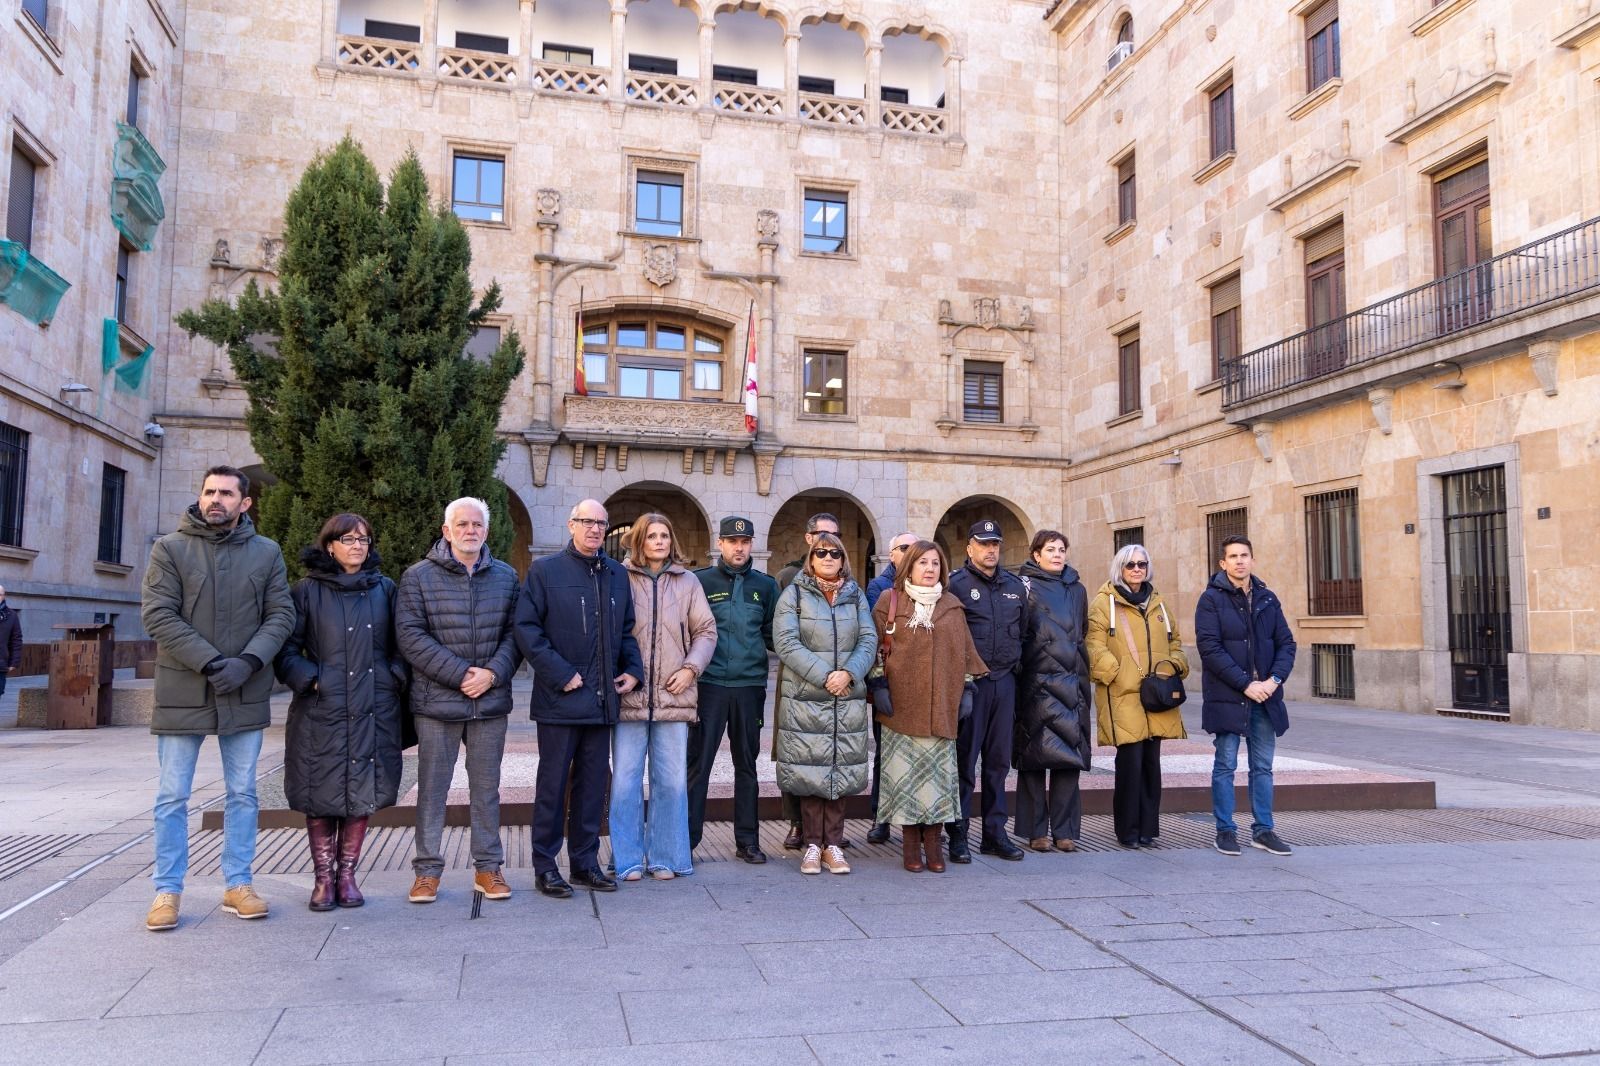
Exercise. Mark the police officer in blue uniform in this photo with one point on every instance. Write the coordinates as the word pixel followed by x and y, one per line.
pixel 996 602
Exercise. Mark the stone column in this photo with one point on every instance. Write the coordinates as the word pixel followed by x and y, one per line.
pixel 875 86
pixel 952 95
pixel 791 74
pixel 430 38
pixel 525 52
pixel 330 31
pixel 766 400
pixel 619 50
pixel 544 340
pixel 708 28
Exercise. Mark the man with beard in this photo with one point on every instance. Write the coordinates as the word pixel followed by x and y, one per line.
pixel 216 600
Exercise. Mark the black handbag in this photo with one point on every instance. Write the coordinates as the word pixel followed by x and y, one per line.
pixel 1159 693
pixel 1156 693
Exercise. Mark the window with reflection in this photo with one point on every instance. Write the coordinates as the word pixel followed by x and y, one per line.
pixel 658 204
pixel 827 219
pixel 655 357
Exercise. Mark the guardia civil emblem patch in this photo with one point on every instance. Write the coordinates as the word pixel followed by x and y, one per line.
pixel 975 594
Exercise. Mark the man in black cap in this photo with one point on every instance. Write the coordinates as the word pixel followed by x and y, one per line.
pixel 996 602
pixel 733 689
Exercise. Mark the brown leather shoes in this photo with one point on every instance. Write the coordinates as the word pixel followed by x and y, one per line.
pixel 424 890
pixel 1063 844
pixel 492 884
pixel 241 901
pixel 933 845
pixel 1039 843
pixel 163 912
pixel 792 841
pixel 911 848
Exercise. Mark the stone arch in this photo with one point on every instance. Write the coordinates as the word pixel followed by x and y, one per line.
pixel 822 13
pixel 689 519
pixel 521 532
pixel 1015 528
pixel 765 8
pixel 858 528
pixel 928 31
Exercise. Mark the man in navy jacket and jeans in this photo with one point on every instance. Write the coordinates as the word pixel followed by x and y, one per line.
pixel 574 624
pixel 1248 651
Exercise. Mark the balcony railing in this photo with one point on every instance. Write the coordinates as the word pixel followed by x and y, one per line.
pixel 663 89
pixel 492 68
pixel 832 110
pixel 746 99
pixel 1553 268
pixel 906 119
pixel 570 78
pixel 376 53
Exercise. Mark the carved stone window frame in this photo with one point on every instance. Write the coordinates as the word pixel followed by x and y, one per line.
pixel 852 231
pixel 687 167
pixel 505 151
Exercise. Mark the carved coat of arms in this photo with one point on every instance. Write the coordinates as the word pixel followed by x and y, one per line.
pixel 661 265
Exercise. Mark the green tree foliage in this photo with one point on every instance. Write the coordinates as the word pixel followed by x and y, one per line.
pixel 361 395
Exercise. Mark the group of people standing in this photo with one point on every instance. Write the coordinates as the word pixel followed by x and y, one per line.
pixel 640 667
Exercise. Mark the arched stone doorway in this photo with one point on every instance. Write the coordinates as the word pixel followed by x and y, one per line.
pixel 688 520
pixel 786 541
pixel 521 533
pixel 1015 528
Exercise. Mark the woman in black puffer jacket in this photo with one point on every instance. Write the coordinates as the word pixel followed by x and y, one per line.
pixel 1054 699
pixel 342 742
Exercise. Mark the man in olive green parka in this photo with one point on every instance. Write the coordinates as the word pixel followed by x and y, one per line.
pixel 216 601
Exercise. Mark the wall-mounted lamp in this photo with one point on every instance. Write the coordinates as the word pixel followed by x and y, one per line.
pixel 153 432
pixel 1175 459
pixel 74 386
pixel 1457 382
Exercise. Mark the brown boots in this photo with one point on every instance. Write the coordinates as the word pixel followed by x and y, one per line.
pixel 323 833
pixel 352 831
pixel 335 853
pixel 917 841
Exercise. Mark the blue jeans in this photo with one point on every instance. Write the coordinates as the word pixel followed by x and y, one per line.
pixel 178 755
pixel 664 843
pixel 1262 741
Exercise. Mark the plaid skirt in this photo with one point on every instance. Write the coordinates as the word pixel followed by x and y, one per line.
pixel 919 782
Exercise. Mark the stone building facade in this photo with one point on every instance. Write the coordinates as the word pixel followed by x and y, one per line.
pixel 1155 270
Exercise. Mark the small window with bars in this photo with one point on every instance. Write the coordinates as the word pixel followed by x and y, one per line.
pixel 1122 538
pixel 1333 553
pixel 1219 526
pixel 983 391
pixel 113 483
pixel 1333 671
pixel 1224 324
pixel 13 482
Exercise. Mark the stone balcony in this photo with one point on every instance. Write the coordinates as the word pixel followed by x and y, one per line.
pixel 136 206
pixel 686 426
pixel 27 286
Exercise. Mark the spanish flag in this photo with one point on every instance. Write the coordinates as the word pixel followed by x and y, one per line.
pixel 580 385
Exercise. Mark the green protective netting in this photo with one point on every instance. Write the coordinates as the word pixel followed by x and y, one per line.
pixel 110 346
pixel 131 375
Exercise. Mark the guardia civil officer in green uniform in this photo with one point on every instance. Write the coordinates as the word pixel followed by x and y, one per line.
pixel 733 689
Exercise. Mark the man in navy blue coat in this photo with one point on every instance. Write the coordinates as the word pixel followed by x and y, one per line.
pixel 1248 651
pixel 574 624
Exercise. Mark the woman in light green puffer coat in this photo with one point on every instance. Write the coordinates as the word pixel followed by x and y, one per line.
pixel 825 638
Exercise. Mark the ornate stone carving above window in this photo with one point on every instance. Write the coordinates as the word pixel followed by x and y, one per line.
pixel 136 206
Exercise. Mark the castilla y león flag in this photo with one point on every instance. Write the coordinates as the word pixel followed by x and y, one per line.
pixel 751 391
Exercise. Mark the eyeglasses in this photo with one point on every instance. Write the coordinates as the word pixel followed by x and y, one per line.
pixel 827 553
pixel 900 548
pixel 350 540
pixel 592 523
pixel 1136 566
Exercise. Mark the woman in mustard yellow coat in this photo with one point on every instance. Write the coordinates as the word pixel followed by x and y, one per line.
pixel 1129 627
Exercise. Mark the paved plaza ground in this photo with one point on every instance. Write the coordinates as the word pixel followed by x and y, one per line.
pixel 1467 934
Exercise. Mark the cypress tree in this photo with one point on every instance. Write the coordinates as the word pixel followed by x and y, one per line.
pixel 362 397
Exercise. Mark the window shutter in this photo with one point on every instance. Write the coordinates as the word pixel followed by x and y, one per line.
pixel 1321 17
pixel 1464 184
pixel 19 203
pixel 1325 242
pixel 1225 295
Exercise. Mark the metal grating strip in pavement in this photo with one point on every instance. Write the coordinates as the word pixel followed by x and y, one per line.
pixel 17 853
pixel 283 851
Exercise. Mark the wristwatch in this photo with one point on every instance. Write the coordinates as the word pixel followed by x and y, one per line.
pixel 1274 679
pixel 493 681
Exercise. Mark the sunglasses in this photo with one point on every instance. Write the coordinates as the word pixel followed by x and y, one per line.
pixel 827 553
pixel 1136 566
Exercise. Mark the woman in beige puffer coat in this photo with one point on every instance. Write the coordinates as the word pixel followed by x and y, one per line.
pixel 677 633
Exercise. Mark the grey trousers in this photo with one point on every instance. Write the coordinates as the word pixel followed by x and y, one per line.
pixel 1061 818
pixel 437 745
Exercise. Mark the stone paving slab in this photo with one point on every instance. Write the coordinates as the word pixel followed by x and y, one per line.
pixel 824 1004
pixel 1094 1041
